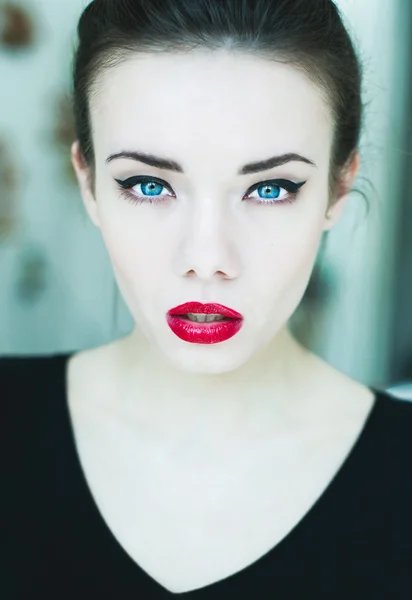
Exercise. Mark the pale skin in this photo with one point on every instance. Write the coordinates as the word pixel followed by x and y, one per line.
pixel 191 449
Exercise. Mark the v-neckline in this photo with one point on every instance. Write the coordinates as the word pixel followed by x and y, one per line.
pixel 342 475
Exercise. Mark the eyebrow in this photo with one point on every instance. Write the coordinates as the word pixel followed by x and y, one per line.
pixel 171 165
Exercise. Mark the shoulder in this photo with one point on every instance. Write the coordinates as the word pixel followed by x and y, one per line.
pixel 10 365
pixel 32 391
pixel 28 384
pixel 20 374
pixel 396 416
pixel 394 421
pixel 393 425
pixel 31 401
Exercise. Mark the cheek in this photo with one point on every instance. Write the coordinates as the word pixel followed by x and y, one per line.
pixel 137 249
pixel 301 264
pixel 282 264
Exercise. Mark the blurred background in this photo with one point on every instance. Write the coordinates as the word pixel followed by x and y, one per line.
pixel 57 290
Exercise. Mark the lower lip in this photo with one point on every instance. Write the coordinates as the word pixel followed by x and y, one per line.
pixel 203 333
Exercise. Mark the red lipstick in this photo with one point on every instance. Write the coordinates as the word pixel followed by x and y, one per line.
pixel 211 332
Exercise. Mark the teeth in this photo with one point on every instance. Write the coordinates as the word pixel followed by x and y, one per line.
pixel 202 318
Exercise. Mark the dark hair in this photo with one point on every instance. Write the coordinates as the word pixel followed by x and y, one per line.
pixel 308 34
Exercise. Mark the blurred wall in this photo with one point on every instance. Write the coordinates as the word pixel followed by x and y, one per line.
pixel 363 249
pixel 76 307
pixel 401 326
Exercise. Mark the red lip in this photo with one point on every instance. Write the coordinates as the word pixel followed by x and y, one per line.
pixel 207 309
pixel 203 333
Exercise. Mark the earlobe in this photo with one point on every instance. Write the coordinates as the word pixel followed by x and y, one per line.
pixel 334 212
pixel 343 190
pixel 82 171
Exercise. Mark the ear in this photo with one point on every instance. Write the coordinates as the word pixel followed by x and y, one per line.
pixel 344 187
pixel 83 175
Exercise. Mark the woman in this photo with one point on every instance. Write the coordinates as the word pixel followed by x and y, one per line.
pixel 208 454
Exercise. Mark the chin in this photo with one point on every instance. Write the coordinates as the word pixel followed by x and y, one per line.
pixel 212 359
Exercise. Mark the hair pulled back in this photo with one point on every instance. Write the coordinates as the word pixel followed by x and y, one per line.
pixel 308 34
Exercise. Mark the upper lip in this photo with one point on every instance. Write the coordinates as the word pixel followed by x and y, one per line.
pixel 207 309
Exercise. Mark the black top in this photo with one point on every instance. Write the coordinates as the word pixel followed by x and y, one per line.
pixel 354 543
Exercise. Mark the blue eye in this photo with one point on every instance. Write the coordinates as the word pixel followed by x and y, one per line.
pixel 150 186
pixel 151 190
pixel 272 191
pixel 147 188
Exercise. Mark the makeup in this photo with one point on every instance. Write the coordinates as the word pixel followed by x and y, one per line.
pixel 126 187
pixel 199 323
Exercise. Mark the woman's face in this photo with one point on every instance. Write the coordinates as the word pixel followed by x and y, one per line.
pixel 210 230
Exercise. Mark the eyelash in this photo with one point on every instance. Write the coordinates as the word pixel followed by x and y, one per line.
pixel 126 184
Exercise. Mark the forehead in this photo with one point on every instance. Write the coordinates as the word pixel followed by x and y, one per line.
pixel 209 104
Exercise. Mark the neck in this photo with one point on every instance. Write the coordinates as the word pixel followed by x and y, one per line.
pixel 266 388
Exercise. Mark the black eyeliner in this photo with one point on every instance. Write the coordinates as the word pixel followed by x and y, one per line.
pixel 136 179
pixel 289 186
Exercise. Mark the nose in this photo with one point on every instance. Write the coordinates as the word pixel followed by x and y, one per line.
pixel 207 249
